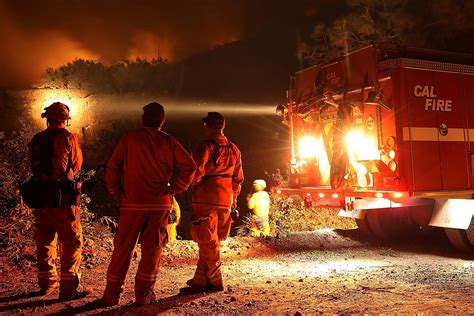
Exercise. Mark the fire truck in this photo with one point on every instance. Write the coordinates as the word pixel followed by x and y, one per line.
pixel 385 134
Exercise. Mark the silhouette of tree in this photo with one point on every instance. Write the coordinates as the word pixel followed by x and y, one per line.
pixel 444 24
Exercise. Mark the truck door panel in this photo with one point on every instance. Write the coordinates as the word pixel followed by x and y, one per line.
pixel 452 146
pixel 422 134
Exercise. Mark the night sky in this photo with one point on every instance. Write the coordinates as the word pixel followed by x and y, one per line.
pixel 49 33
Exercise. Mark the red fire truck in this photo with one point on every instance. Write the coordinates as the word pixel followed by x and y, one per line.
pixel 386 135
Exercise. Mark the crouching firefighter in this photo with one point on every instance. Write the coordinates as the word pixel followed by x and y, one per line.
pixel 259 203
pixel 56 157
pixel 216 185
pixel 145 170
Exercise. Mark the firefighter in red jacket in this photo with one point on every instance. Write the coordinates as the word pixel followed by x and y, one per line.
pixel 216 186
pixel 145 170
pixel 55 154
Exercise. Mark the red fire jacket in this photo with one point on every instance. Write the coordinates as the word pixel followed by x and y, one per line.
pixel 219 173
pixel 147 166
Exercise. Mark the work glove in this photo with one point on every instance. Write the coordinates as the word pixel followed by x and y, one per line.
pixel 234 213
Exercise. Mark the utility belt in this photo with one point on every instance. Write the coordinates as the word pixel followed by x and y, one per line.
pixel 38 193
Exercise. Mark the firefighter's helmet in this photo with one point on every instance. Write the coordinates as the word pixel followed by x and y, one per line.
pixel 260 182
pixel 214 120
pixel 57 111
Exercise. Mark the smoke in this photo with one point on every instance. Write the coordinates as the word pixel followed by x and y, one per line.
pixel 39 34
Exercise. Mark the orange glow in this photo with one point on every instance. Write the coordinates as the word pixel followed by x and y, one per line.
pixel 379 195
pixel 313 148
pixel 308 194
pixel 321 195
pixel 397 195
pixel 335 195
pixel 278 191
pixel 72 98
pixel 362 146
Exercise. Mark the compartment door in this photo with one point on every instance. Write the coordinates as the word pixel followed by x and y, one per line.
pixel 452 132
pixel 422 132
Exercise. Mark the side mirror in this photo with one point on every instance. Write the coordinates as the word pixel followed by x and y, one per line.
pixel 376 98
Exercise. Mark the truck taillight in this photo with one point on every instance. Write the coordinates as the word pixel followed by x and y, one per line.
pixel 398 197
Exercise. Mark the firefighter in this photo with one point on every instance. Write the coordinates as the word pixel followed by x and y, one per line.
pixel 56 157
pixel 216 186
pixel 145 170
pixel 173 220
pixel 259 203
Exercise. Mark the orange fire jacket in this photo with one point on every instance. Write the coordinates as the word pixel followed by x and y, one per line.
pixel 52 151
pixel 219 173
pixel 146 167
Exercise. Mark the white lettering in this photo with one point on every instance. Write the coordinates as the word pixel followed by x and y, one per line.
pixel 428 104
pixel 447 105
pixel 431 101
pixel 417 90
pixel 426 91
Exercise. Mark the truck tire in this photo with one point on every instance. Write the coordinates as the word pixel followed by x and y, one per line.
pixel 462 239
pixel 363 227
pixel 421 215
pixel 391 223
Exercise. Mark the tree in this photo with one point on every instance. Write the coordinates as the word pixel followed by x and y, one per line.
pixel 426 24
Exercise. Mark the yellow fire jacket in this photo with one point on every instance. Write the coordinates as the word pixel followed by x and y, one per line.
pixel 259 203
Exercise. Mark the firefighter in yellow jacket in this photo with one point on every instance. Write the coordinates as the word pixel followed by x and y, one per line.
pixel 259 203
pixel 145 170
pixel 173 221
pixel 55 155
pixel 216 186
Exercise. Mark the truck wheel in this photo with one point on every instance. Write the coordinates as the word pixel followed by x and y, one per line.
pixel 363 226
pixel 421 215
pixel 462 239
pixel 391 223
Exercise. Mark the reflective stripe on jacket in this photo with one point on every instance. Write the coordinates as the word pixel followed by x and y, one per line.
pixel 219 173
pixel 52 152
pixel 141 166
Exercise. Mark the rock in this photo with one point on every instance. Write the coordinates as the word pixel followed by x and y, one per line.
pixel 233 299
pixel 300 280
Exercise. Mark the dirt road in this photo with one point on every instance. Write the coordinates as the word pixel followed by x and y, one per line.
pixel 324 271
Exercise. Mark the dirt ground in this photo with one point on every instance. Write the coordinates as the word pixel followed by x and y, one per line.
pixel 313 272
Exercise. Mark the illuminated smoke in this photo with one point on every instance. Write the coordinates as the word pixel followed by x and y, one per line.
pixel 146 45
pixel 48 33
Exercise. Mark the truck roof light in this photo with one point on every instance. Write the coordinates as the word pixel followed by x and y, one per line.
pixel 321 194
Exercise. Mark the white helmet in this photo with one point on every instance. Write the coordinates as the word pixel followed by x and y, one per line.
pixel 260 182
